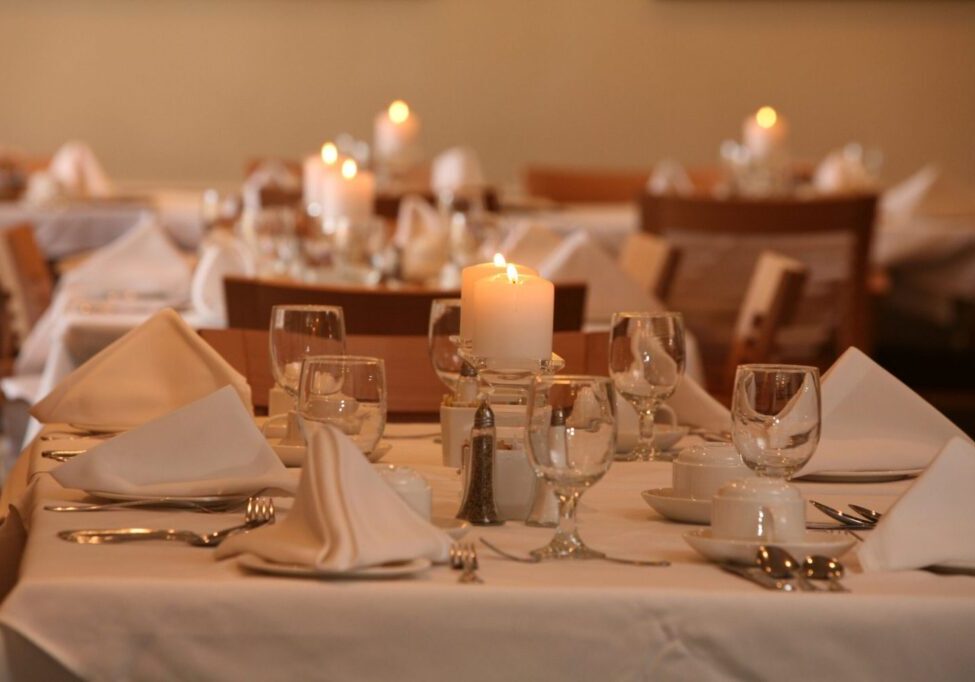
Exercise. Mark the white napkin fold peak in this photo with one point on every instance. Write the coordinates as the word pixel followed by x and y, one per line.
pixel 344 517
pixel 157 367
pixel 933 522
pixel 422 237
pixel 221 255
pixel 209 447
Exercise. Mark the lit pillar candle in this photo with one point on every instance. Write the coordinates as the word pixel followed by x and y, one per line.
pixel 396 134
pixel 349 193
pixel 315 169
pixel 469 276
pixel 513 315
pixel 764 133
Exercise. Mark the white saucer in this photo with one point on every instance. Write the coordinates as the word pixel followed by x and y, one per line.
pixel 398 569
pixel 683 509
pixel 666 436
pixel 828 543
pixel 455 528
pixel 876 476
pixel 291 455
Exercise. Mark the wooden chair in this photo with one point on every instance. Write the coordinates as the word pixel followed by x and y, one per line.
pixel 831 235
pixel 414 392
pixel 32 284
pixel 379 311
pixel 584 185
pixel 652 261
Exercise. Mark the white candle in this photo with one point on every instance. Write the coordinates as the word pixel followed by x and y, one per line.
pixel 513 316
pixel 396 134
pixel 764 133
pixel 469 276
pixel 315 169
pixel 348 194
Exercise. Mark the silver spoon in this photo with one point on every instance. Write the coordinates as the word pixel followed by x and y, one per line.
pixel 819 567
pixel 867 513
pixel 781 565
pixel 846 519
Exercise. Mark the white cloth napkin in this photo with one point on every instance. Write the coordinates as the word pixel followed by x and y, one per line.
pixel 157 367
pixel 209 447
pixel 74 171
pixel 670 177
pixel 529 243
pixel 269 173
pixel 844 171
pixel 143 261
pixel 422 238
pixel 933 522
pixel 691 403
pixel 579 259
pixel 222 255
pixel 456 170
pixel 345 517
pixel 871 421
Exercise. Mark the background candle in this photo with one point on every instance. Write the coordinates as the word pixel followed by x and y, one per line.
pixel 314 170
pixel 348 194
pixel 396 134
pixel 513 316
pixel 469 276
pixel 764 134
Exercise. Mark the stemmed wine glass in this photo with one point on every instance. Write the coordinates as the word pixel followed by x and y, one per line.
pixel 646 361
pixel 775 413
pixel 572 435
pixel 444 328
pixel 348 392
pixel 298 331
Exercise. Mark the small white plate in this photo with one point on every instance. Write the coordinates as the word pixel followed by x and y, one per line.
pixel 828 543
pixel 666 436
pixel 878 476
pixel 291 455
pixel 197 499
pixel 455 528
pixel 675 508
pixel 397 569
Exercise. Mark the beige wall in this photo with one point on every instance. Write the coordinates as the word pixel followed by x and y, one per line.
pixel 185 89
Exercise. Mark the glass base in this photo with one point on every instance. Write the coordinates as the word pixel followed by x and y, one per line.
pixel 647 452
pixel 566 547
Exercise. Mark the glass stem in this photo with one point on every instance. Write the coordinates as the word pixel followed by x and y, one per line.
pixel 566 531
pixel 647 425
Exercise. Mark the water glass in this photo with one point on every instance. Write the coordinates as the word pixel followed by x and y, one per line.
pixel 298 331
pixel 443 332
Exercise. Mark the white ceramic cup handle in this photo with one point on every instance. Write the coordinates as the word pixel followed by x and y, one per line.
pixel 271 420
pixel 671 416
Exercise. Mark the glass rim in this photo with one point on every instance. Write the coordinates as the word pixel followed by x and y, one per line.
pixel 778 367
pixel 307 307
pixel 567 378
pixel 346 359
pixel 645 315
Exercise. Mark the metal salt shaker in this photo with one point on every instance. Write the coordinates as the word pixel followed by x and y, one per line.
pixel 478 505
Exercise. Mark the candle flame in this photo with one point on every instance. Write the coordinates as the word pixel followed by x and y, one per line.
pixel 499 260
pixel 330 153
pixel 349 169
pixel 399 111
pixel 766 117
pixel 512 273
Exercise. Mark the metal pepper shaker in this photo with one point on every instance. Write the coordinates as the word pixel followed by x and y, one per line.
pixel 478 505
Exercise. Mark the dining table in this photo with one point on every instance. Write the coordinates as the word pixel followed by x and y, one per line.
pixel 164 610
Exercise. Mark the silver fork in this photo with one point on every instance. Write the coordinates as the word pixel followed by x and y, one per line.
pixel 260 511
pixel 224 505
pixel 463 557
pixel 534 560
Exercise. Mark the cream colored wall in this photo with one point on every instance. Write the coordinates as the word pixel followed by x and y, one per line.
pixel 185 89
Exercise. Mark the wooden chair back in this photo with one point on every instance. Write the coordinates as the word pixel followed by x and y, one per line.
pixel 31 274
pixel 652 261
pixel 414 392
pixel 791 226
pixel 584 185
pixel 376 311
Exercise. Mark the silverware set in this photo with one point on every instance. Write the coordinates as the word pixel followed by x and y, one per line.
pixel 777 569
pixel 863 518
pixel 534 559
pixel 259 511
pixel 463 557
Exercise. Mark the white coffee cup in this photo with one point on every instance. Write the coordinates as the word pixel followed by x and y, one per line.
pixel 700 470
pixel 764 509
pixel 410 485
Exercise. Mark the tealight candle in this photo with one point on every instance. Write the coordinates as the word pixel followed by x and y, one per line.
pixel 349 193
pixel 469 276
pixel 764 133
pixel 315 169
pixel 513 315
pixel 396 133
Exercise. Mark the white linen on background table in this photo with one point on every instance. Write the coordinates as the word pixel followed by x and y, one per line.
pixel 165 611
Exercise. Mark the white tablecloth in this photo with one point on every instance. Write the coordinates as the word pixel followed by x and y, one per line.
pixel 167 611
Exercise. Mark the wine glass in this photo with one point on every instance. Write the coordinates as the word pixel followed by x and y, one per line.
pixel 646 361
pixel 775 413
pixel 571 435
pixel 444 327
pixel 348 392
pixel 298 331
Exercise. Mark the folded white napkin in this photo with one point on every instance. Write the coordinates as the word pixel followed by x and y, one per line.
pixel 221 255
pixel 209 447
pixel 579 259
pixel 529 243
pixel 77 172
pixel 930 192
pixel 670 177
pixel 157 367
pixel 143 261
pixel 844 170
pixel 345 517
pixel 871 421
pixel 422 238
pixel 933 522
pixel 456 170
pixel 269 173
